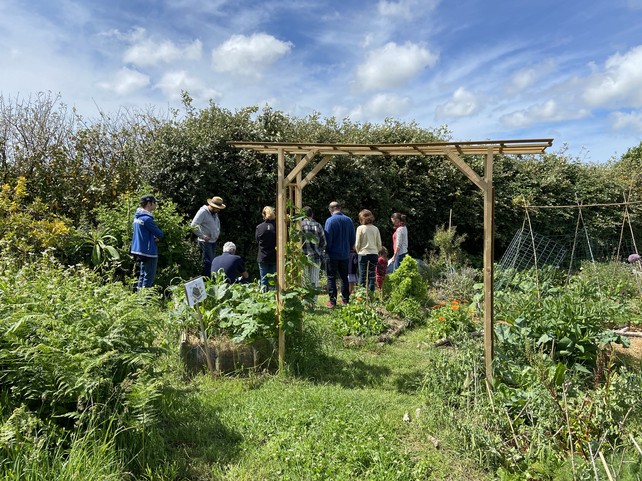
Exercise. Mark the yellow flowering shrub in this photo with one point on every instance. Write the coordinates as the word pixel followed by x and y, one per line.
pixel 27 226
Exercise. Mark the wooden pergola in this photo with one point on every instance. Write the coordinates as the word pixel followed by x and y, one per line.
pixel 311 158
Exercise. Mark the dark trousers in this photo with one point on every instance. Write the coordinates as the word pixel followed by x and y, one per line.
pixel 339 268
pixel 207 250
pixel 367 265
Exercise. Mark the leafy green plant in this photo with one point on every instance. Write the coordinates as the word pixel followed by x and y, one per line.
pixel 566 322
pixel 69 342
pixel 241 311
pixel 358 319
pixel 404 285
pixel 456 283
pixel 298 292
pixel 100 244
pixel 448 251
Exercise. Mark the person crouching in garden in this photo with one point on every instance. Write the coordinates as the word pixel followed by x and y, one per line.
pixel 231 264
pixel 145 237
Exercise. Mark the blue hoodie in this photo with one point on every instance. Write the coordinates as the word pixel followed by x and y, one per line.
pixel 145 229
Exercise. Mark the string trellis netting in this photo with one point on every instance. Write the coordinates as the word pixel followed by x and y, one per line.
pixel 527 246
pixel 530 249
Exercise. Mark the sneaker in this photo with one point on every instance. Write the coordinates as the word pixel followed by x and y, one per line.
pixel 344 302
pixel 329 304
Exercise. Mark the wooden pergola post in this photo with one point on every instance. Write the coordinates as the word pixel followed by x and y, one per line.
pixel 304 153
pixel 489 251
pixel 281 240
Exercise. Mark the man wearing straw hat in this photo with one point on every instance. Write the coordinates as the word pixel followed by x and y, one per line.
pixel 207 227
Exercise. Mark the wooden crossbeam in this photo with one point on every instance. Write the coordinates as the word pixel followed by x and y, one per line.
pixel 528 146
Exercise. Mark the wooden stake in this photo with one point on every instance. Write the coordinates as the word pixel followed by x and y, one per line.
pixel 637 446
pixel 199 315
pixel 606 466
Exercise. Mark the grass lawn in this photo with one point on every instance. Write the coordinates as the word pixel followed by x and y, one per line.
pixel 339 414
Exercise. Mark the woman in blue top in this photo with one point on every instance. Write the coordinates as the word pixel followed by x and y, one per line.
pixel 146 235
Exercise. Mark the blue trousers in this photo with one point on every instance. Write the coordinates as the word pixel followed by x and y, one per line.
pixel 339 268
pixel 266 268
pixel 147 274
pixel 398 260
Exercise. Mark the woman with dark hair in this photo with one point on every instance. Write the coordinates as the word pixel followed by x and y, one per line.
pixel 399 239
pixel 367 246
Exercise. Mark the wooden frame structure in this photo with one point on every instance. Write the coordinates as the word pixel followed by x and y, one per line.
pixel 290 185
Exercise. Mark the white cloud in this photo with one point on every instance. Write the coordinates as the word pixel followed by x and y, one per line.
pixel 393 65
pixel 249 56
pixel 386 105
pixel 126 81
pixel 548 111
pixel 527 77
pixel 619 84
pixel 462 104
pixel 146 52
pixel 406 9
pixel 627 121
pixel 172 83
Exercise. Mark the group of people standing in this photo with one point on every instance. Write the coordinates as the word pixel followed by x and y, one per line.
pixel 333 243
pixel 342 241
pixel 206 225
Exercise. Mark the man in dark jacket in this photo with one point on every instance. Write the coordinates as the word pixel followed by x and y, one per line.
pixel 232 265
pixel 340 237
pixel 146 235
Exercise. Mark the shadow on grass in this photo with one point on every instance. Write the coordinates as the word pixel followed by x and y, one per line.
pixel 193 437
pixel 410 382
pixel 309 361
pixel 323 369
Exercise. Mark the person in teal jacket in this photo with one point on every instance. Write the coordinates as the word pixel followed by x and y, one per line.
pixel 145 236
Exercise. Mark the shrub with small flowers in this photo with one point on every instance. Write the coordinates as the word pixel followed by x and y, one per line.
pixel 452 316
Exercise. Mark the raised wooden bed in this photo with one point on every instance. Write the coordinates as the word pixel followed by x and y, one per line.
pixel 226 355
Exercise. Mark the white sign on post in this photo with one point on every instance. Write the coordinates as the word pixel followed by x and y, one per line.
pixel 195 290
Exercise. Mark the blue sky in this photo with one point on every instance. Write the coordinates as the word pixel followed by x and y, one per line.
pixel 494 69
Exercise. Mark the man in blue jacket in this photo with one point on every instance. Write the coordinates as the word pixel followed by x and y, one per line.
pixel 340 238
pixel 146 235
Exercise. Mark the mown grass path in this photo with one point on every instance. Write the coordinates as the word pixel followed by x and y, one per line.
pixel 340 417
